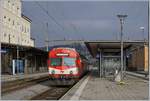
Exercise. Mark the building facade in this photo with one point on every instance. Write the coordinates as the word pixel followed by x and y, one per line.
pixel 138 59
pixel 15 27
pixel 14 32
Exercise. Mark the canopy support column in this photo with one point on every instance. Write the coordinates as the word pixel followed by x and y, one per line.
pixel 100 63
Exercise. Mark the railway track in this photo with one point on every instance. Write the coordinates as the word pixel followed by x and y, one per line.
pixel 54 93
pixel 20 84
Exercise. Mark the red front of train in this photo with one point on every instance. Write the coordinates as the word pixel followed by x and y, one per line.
pixel 65 63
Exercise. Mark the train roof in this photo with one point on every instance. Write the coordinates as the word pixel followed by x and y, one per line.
pixel 81 55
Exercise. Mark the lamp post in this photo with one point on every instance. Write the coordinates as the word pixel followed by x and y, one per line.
pixel 121 18
pixel 46 39
pixel 18 56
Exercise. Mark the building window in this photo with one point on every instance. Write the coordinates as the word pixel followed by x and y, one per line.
pixel 22 29
pixel 5 34
pixel 4 17
pixel 9 19
pixel 17 8
pixel 28 30
pixel 8 4
pixel 13 22
pixel 25 29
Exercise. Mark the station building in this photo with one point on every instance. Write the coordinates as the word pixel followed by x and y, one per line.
pixel 18 52
pixel 15 27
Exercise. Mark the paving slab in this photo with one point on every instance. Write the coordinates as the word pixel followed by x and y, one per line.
pixel 95 88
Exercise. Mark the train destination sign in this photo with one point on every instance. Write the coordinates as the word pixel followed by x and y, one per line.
pixel 62 54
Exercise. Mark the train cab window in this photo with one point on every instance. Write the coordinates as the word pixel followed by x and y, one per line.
pixel 56 61
pixel 69 62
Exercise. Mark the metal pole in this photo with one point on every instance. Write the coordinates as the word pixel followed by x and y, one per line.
pixel 125 64
pixel 121 18
pixel 10 54
pixel 47 41
pixel 148 38
pixel 18 56
pixel 142 28
pixel 121 21
pixel 35 66
pixel 99 64
pixel 143 34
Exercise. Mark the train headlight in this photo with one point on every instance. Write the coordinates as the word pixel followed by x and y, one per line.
pixel 71 72
pixel 53 72
pixel 77 70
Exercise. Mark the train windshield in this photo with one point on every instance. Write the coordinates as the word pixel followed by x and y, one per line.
pixel 56 61
pixel 69 62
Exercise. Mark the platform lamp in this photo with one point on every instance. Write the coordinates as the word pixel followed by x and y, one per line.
pixel 121 19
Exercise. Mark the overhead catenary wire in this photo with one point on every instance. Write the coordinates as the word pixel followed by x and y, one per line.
pixel 56 22
pixel 50 16
pixel 53 18
pixel 76 30
pixel 43 23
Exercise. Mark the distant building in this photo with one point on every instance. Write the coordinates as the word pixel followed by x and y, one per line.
pixel 15 27
pixel 138 59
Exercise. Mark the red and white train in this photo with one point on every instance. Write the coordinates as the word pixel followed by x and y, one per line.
pixel 66 64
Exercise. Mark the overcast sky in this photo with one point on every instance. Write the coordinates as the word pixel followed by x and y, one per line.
pixel 86 20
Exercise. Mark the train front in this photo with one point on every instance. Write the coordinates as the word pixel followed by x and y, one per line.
pixel 63 64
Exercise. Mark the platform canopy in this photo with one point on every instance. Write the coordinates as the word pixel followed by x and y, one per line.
pixel 109 46
pixel 6 46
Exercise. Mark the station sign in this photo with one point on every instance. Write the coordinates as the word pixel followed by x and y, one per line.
pixel 3 51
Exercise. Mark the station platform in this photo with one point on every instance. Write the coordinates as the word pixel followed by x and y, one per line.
pixel 11 78
pixel 91 87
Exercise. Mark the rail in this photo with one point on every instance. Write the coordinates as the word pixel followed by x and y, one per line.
pixel 19 84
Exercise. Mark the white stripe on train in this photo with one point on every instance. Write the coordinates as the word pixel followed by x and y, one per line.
pixel 74 70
